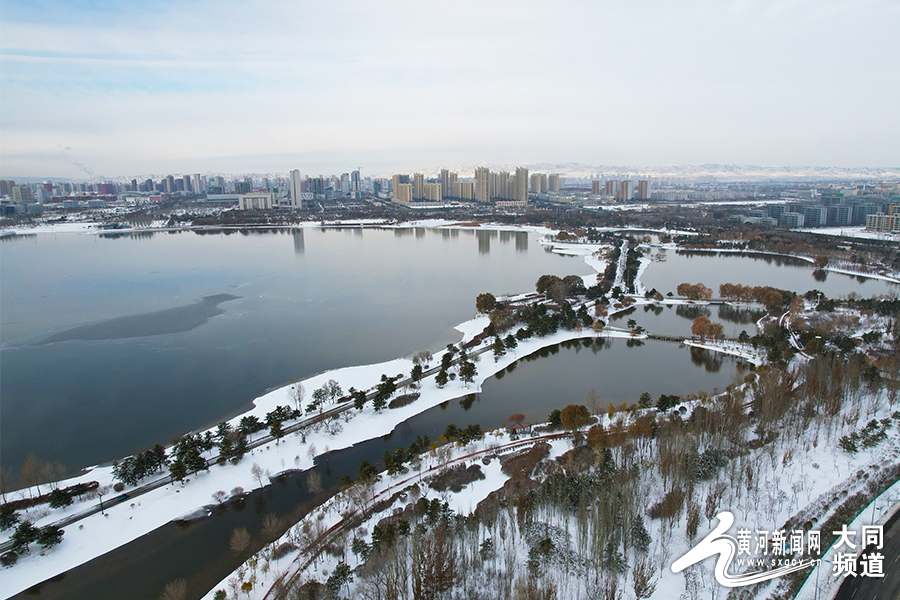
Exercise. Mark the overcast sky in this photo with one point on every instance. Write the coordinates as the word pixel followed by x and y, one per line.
pixel 122 87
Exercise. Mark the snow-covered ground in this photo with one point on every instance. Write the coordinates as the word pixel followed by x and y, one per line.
pixel 792 477
pixel 88 227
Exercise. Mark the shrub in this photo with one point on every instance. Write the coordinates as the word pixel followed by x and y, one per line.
pixel 403 400
pixel 669 506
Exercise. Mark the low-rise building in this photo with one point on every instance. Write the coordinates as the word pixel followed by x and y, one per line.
pixel 256 201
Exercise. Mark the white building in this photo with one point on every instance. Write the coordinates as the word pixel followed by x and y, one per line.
pixel 256 201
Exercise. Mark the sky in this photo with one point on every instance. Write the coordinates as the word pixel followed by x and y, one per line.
pixel 121 88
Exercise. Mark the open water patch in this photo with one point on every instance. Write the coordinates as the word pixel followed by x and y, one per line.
pixel 160 322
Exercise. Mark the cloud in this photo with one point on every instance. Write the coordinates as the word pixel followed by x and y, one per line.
pixel 134 85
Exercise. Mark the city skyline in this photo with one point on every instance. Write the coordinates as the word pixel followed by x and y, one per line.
pixel 113 89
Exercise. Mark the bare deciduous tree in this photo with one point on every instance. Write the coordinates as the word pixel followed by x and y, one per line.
pixel 297 393
pixel 271 527
pixel 642 581
pixel 30 473
pixel 258 473
pixel 434 569
pixel 530 589
pixel 6 481
pixel 174 590
pixel 240 540
pixel 314 482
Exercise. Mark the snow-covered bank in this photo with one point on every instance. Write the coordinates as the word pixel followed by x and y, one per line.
pixel 86 227
pixel 97 534
pixel 744 351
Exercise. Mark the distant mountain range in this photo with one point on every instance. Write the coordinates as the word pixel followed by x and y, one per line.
pixel 699 173
pixel 706 173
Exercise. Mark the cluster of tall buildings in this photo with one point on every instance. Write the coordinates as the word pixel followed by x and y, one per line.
pixel 622 190
pixel 829 209
pixel 499 187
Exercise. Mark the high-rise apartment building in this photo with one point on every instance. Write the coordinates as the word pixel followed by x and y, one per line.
pixel 595 188
pixel 21 194
pixel 499 186
pixel 243 186
pixel 445 183
pixel 345 184
pixel 396 182
pixel 448 181
pixel 482 184
pixel 196 184
pixel 882 222
pixel 538 183
pixel 643 189
pixel 354 183
pixel 403 193
pixel 296 189
pixel 433 192
pixel 464 190
pixel 610 188
pixel 418 186
pixel 521 189
pixel 555 183
pixel 187 183
pixel 624 192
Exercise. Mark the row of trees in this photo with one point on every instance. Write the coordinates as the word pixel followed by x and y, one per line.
pixel 771 298
pixel 632 263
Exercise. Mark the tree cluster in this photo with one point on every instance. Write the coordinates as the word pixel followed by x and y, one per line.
pixel 233 444
pixel 698 291
pixel 188 455
pixel 329 392
pixel 395 460
pixel 26 534
pixel 771 298
pixel 558 289
pixel 462 436
pixel 703 328
pixel 134 468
